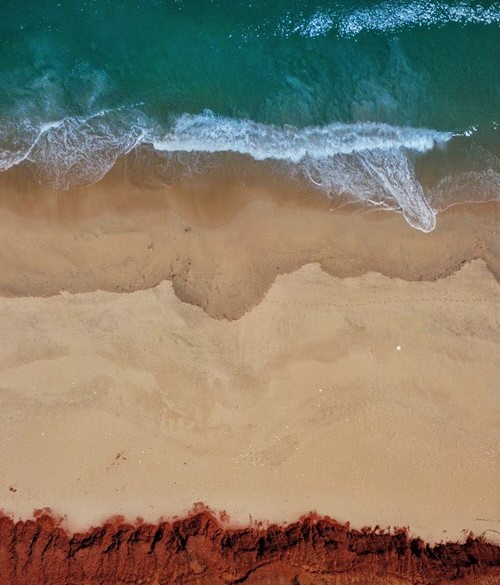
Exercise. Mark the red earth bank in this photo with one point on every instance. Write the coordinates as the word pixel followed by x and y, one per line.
pixel 200 550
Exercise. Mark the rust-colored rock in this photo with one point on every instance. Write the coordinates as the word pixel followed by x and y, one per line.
pixel 199 550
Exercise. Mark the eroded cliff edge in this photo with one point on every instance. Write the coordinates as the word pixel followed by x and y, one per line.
pixel 201 550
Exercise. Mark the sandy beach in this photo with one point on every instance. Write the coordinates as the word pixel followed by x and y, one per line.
pixel 249 293
pixel 268 361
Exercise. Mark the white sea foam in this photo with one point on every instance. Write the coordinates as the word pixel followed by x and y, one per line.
pixel 382 177
pixel 71 151
pixel 387 17
pixel 82 151
pixel 210 133
pixel 17 137
pixel 370 162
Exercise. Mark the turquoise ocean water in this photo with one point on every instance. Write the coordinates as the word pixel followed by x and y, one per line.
pixel 393 103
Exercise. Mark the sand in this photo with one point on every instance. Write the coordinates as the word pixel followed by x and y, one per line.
pixel 269 359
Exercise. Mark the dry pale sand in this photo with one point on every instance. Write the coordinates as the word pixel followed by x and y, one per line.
pixel 361 381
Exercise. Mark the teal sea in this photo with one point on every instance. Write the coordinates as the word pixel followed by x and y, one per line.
pixel 392 103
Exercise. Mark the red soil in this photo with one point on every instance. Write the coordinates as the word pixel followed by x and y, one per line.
pixel 199 550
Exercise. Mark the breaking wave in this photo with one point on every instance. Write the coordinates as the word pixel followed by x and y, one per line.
pixel 210 133
pixel 372 163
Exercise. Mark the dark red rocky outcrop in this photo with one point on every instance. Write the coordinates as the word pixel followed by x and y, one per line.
pixel 199 550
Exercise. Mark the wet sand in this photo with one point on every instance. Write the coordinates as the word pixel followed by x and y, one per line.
pixel 221 245
pixel 267 356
